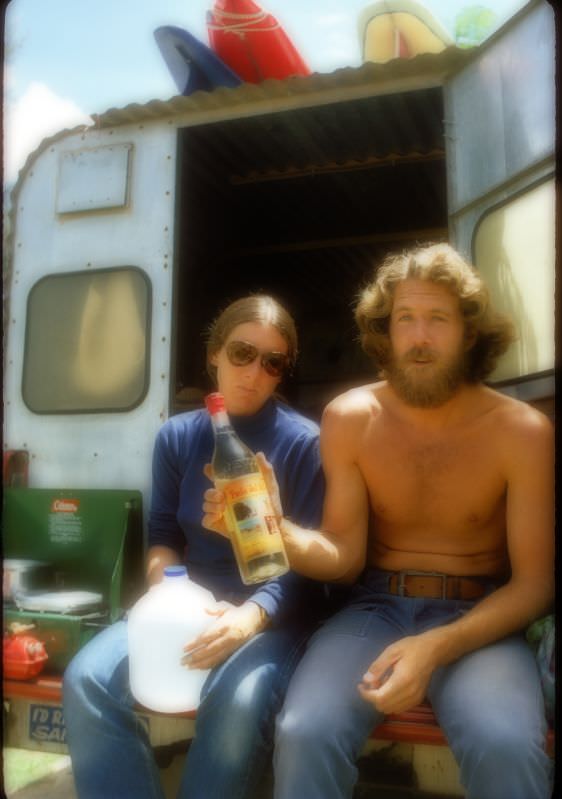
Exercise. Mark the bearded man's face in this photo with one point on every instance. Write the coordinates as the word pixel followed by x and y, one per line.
pixel 428 360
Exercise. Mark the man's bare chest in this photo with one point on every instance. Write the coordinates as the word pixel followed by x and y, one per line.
pixel 454 480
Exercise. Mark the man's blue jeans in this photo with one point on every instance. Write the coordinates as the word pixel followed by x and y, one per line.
pixel 109 746
pixel 489 703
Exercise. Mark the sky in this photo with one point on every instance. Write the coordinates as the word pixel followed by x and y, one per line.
pixel 67 59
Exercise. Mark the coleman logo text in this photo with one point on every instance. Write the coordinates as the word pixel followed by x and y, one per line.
pixel 65 505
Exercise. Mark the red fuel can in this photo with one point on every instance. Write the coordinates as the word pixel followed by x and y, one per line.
pixel 23 657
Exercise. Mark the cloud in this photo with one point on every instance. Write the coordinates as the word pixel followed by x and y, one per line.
pixel 38 113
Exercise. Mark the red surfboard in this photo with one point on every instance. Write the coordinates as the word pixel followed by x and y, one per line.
pixel 251 42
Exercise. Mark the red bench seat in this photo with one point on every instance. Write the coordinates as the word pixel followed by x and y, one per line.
pixel 415 726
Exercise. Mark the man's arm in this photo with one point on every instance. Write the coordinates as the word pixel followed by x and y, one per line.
pixel 339 551
pixel 302 487
pixel 528 458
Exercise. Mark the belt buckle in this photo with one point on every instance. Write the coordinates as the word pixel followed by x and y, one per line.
pixel 403 573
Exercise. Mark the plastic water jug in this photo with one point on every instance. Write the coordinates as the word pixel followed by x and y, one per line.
pixel 169 615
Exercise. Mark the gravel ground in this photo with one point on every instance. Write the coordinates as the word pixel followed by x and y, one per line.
pixel 37 775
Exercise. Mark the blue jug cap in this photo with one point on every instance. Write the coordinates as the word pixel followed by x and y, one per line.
pixel 175 571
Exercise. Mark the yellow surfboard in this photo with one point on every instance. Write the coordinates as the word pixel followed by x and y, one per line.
pixel 399 29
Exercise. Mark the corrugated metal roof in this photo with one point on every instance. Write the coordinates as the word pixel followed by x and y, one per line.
pixel 398 75
pixel 355 135
pixel 428 69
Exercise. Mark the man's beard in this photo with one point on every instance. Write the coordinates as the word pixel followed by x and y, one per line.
pixel 430 385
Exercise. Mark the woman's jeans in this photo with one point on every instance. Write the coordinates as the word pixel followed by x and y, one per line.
pixel 109 746
pixel 488 703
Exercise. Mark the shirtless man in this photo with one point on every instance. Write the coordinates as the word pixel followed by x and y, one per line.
pixel 440 502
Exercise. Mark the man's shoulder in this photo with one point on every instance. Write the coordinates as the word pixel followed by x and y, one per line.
pixel 354 409
pixel 359 400
pixel 516 420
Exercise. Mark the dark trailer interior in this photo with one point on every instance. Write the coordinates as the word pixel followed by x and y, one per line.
pixel 302 204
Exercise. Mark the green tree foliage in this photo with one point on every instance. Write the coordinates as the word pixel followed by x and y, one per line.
pixel 473 24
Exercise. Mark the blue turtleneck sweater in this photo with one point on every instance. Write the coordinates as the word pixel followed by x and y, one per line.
pixel 183 446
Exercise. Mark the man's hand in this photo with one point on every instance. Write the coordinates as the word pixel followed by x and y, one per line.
pixel 214 502
pixel 397 680
pixel 232 628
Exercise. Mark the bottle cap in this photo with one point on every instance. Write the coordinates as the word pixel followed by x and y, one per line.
pixel 214 402
pixel 175 571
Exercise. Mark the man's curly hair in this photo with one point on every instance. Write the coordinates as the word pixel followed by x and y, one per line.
pixel 441 264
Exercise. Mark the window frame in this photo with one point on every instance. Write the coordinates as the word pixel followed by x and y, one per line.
pixel 488 211
pixel 148 330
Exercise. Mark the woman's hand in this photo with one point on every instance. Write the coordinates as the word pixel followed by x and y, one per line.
pixel 214 505
pixel 214 502
pixel 233 627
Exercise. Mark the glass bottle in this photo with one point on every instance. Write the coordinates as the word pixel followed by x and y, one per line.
pixel 250 520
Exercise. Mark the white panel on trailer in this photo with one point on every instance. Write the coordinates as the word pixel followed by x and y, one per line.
pixel 90 180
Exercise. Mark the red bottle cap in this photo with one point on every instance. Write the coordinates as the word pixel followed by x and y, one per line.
pixel 214 402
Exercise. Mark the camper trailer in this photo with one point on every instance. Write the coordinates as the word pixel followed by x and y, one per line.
pixel 127 236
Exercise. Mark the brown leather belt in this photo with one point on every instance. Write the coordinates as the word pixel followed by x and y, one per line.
pixel 434 585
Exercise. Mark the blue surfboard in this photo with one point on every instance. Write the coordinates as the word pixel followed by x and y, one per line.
pixel 193 65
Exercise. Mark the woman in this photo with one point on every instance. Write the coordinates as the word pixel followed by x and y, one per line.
pixel 258 636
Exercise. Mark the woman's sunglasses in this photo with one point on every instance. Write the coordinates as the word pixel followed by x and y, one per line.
pixel 242 353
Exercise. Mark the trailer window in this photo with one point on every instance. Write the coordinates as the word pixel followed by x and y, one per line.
pixel 514 250
pixel 87 342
